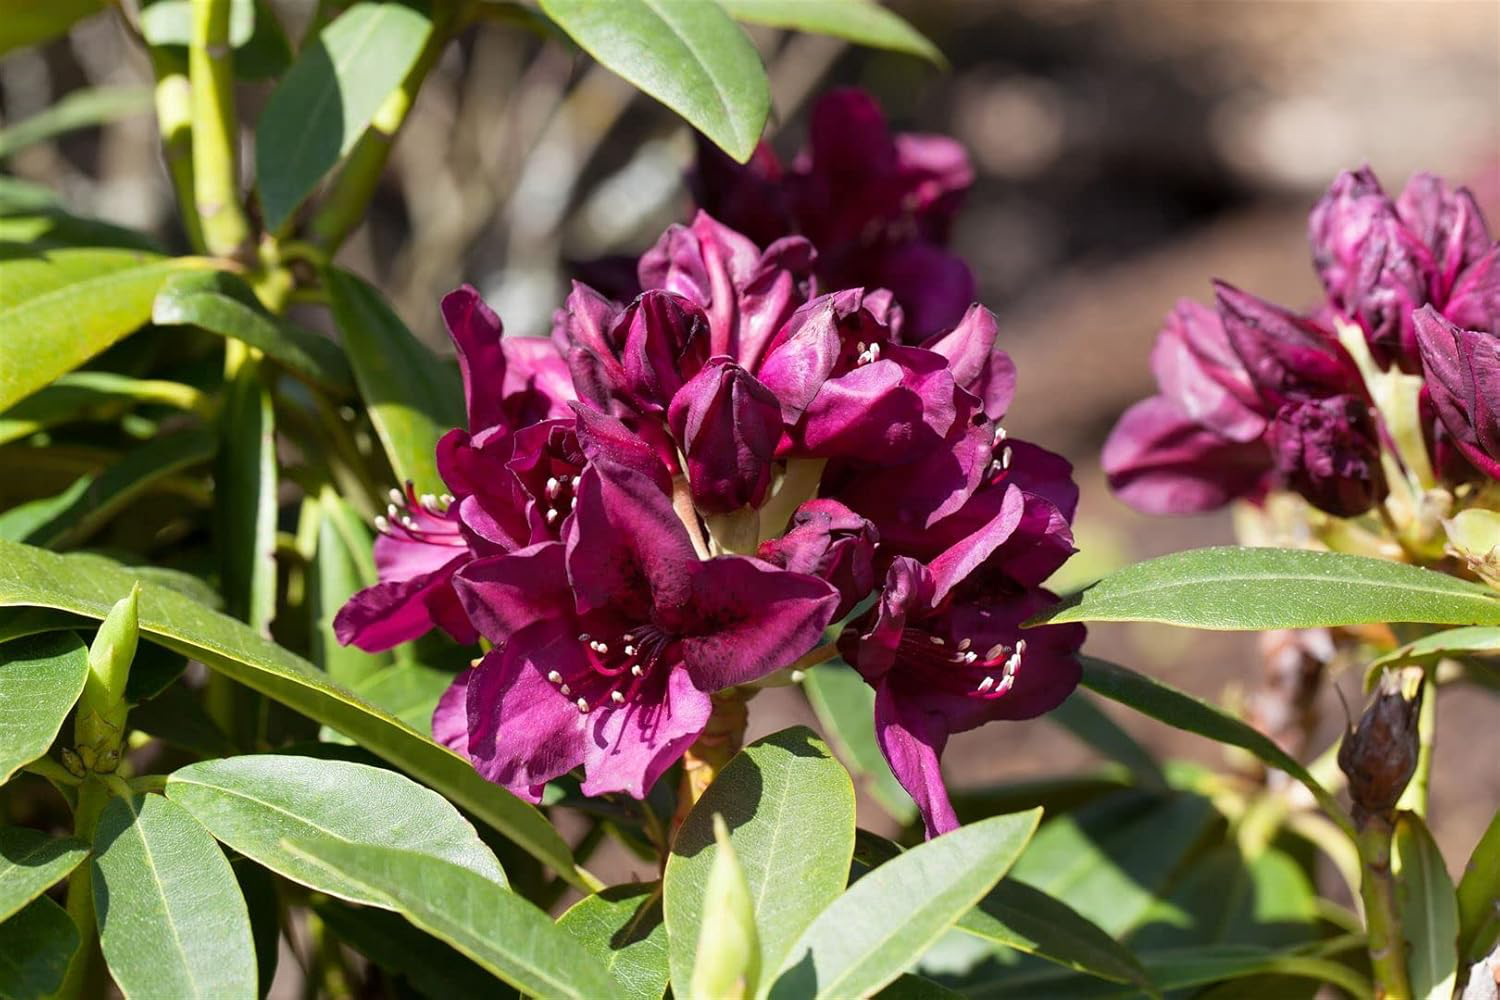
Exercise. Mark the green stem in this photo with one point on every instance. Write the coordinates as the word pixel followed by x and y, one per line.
pixel 86 973
pixel 216 188
pixel 54 772
pixel 1377 890
pixel 174 120
pixel 350 194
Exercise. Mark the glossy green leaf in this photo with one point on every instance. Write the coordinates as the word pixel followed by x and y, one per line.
pixel 18 623
pixel 1054 793
pixel 1475 640
pixel 28 22
pixel 87 395
pixel 409 691
pixel 885 921
pixel 326 100
pixel 790 810
pixel 1110 859
pixel 431 968
pixel 726 961
pixel 60 308
pixel 1428 907
pixel 40 679
pixel 622 927
pixel 1478 893
pixel 31 577
pixel 54 229
pixel 79 109
pixel 913 987
pixel 245 498
pixel 845 707
pixel 176 717
pixel 258 887
pixel 1085 720
pixel 1182 711
pixel 36 946
pixel 343 563
pixel 172 922
pixel 31 862
pixel 412 398
pixel 256 803
pixel 501 931
pixel 864 22
pixel 221 303
pixel 92 501
pixel 1250 588
pixel 689 56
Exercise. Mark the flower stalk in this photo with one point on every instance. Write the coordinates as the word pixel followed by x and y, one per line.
pixel 174 121
pixel 1377 891
pixel 720 740
pixel 215 160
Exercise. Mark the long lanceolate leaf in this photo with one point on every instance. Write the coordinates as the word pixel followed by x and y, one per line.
pixel 31 863
pixel 80 109
pixel 1233 588
pixel 689 56
pixel 31 577
pixel 40 679
pixel 1478 896
pixel 245 508
pixel 864 22
pixel 1429 910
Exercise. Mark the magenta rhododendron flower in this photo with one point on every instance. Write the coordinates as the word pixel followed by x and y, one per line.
pixel 1462 368
pixel 745 463
pixel 878 207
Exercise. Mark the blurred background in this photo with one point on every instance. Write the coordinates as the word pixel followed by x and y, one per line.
pixel 1126 152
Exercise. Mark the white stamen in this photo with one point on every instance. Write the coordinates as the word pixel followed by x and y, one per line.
pixel 1006 683
pixel 636 671
pixel 583 706
pixel 583 637
pixel 970 656
pixel 397 497
pixel 963 646
pixel 986 684
pixel 565 689
pixel 1012 663
pixel 617 697
pixel 627 637
pixel 629 650
pixel 999 434
pixel 409 523
pixel 997 650
pixel 447 499
pixel 391 510
pixel 874 352
pixel 381 524
pixel 554 677
pixel 551 516
pixel 1005 457
pixel 553 489
pixel 1020 647
pixel 935 640
pixel 429 501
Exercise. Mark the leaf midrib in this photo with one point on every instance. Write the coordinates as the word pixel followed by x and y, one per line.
pixel 161 888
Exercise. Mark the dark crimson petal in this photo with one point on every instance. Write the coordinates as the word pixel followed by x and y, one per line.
pixel 629 746
pixel 522 731
pixel 747 196
pixel 904 501
pixel 870 644
pixel 890 411
pixel 1339 226
pixel 537 385
pixel 1286 355
pixel 583 331
pixel 1448 221
pixel 802 356
pixel 1043 473
pixel 829 541
pixel 1463 384
pixel 396 611
pixel 933 285
pixel 955 564
pixel 663 342
pixel 912 742
pixel 727 425
pixel 1327 450
pixel 744 619
pixel 503 594
pixel 978 365
pixel 1161 462
pixel 450 719
pixel 1195 365
pixel 1475 303
pixel 476 333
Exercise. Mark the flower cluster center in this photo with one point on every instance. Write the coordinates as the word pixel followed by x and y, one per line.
pixel 616 666
pixel 958 667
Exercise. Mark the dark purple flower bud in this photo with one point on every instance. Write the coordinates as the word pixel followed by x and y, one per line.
pixel 632 361
pixel 727 425
pixel 1448 222
pixel 1475 301
pixel 1462 370
pixel 1161 461
pixel 546 462
pixel 829 541
pixel 978 365
pixel 1197 368
pixel 1379 755
pixel 1328 451
pixel 1287 356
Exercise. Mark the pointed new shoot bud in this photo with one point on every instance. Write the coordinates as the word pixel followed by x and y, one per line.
pixel 1379 754
pixel 1474 537
pixel 99 724
pixel 728 949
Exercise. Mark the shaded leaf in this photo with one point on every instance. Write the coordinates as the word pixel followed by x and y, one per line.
pixel 53 228
pixel 344 563
pixel 79 109
pixel 789 807
pixel 172 922
pixel 36 946
pixel 1085 720
pixel 689 56
pixel 885 921
pixel 31 862
pixel 409 691
pixel 864 22
pixel 845 707
pixel 264 909
pixel 1428 908
pixel 85 395
pixel 40 679
pixel 327 98
pixel 1254 588
pixel 431 967
pixel 245 498
pixel 33 577
pixel 28 22
pixel 622 927
pixel 1478 891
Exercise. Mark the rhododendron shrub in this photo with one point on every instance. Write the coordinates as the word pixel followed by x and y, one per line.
pixel 334 665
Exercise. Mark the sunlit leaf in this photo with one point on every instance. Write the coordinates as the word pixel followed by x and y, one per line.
pixel 1479 918
pixel 245 498
pixel 1428 908
pixel 864 22
pixel 31 862
pixel 40 679
pixel 845 706
pixel 622 927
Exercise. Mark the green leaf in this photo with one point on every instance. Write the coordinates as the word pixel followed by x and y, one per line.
pixel 1109 860
pixel 79 109
pixel 92 501
pixel 412 398
pixel 726 962
pixel 1233 588
pixel 79 396
pixel 913 987
pixel 40 679
pixel 1478 891
pixel 172 922
pixel 60 308
pixel 254 804
pixel 245 498
pixel 496 928
pixel 845 707
pixel 258 887
pixel 399 949
pixel 863 22
pixel 1476 640
pixel 326 100
pixel 885 921
pixel 1085 720
pixel 622 927
pixel 1225 897
pixel 28 22
pixel 689 56
pixel 31 577
pixel 409 691
pixel 31 863
pixel 343 563
pixel 1182 711
pixel 53 229
pixel 170 22
pixel 790 810
pixel 221 303
pixel 1428 907
pixel 36 946
pixel 18 196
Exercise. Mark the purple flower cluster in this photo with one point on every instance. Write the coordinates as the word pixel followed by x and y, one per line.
pixel 1254 396
pixel 678 494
